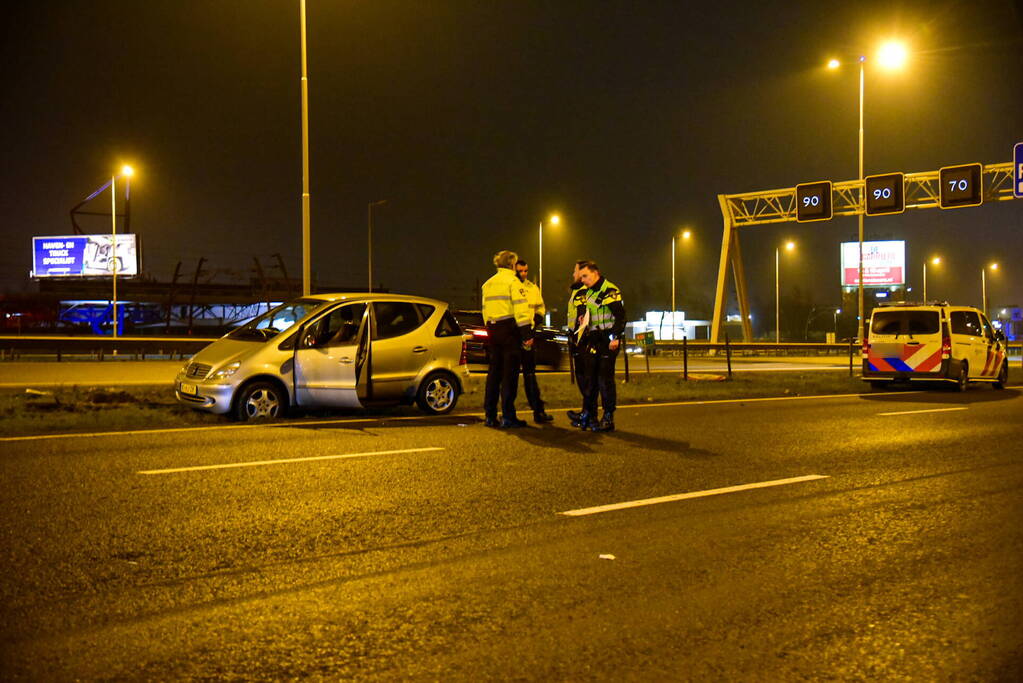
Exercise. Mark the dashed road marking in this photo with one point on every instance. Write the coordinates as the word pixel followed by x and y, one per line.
pixel 284 461
pixel 686 496
pixel 928 410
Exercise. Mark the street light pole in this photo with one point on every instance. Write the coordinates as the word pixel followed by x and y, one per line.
pixel 306 268
pixel 777 296
pixel 539 273
pixel 555 219
pixel 113 244
pixel 369 241
pixel 925 282
pixel 789 246
pixel 673 287
pixel 859 216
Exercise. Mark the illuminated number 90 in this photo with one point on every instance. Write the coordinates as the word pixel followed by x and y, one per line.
pixel 813 200
pixel 883 193
pixel 960 185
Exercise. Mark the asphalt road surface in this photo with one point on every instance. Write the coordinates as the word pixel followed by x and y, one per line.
pixel 881 540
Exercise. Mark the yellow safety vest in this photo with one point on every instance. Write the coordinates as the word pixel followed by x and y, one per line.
pixel 504 298
pixel 534 299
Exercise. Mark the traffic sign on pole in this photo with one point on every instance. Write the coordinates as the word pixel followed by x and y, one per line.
pixel 813 201
pixel 885 193
pixel 1017 171
pixel 960 186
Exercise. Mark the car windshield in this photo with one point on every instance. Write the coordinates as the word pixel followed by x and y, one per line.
pixel 904 322
pixel 276 320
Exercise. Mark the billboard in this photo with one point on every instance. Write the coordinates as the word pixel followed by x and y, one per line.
pixel 884 263
pixel 84 256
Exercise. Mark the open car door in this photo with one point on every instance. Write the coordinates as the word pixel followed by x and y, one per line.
pixel 330 358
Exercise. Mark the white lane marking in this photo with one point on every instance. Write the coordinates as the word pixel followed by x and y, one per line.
pixel 929 410
pixel 257 463
pixel 694 494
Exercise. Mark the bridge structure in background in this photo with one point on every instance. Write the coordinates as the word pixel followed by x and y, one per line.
pixel 847 198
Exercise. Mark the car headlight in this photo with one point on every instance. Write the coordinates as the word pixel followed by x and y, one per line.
pixel 227 370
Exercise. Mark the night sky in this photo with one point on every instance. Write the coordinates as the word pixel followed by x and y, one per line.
pixel 476 120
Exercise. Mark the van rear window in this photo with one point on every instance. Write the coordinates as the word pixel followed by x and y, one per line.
pixel 904 322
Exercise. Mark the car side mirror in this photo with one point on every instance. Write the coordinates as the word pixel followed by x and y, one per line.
pixel 999 336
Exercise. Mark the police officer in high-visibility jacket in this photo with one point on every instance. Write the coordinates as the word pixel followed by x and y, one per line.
pixel 509 330
pixel 576 289
pixel 536 306
pixel 601 315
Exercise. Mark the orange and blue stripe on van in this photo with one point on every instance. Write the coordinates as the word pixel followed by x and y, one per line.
pixel 898 357
pixel 994 362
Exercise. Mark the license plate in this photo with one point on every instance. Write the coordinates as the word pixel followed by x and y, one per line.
pixel 190 389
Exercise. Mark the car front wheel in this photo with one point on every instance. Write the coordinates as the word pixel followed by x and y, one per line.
pixel 437 394
pixel 260 401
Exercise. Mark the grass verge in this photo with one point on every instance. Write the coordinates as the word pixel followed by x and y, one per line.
pixel 89 409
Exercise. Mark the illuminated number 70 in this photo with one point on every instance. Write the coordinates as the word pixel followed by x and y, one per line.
pixel 960 185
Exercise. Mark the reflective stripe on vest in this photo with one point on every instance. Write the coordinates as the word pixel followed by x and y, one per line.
pixel 601 317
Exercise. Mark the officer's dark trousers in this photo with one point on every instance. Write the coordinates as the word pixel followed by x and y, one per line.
pixel 503 372
pixel 579 368
pixel 529 382
pixel 599 378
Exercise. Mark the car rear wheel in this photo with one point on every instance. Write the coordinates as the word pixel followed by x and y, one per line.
pixel 1003 375
pixel 437 394
pixel 964 377
pixel 260 401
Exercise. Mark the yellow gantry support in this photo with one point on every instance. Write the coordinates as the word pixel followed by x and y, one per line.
pixel 779 206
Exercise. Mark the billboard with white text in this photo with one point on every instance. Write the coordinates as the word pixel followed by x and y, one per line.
pixel 884 263
pixel 84 256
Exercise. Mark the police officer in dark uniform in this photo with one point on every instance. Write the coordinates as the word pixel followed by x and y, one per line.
pixel 601 316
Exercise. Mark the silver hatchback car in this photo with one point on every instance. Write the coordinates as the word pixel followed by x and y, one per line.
pixel 331 350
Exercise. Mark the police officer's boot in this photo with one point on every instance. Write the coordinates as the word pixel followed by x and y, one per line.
pixel 541 416
pixel 607 424
pixel 580 419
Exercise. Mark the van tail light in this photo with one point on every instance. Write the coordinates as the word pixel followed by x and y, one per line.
pixel 463 359
pixel 946 347
pixel 866 348
pixel 483 334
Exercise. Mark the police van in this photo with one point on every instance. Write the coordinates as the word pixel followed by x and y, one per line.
pixel 933 341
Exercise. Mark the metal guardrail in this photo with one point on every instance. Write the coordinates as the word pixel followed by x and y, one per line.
pixel 14 346
pixel 11 346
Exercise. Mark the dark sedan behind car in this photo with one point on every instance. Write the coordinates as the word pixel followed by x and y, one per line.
pixel 551 345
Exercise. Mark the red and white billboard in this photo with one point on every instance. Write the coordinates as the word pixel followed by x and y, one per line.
pixel 884 263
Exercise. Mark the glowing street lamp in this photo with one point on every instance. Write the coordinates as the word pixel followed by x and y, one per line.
pixel 127 172
pixel 936 261
pixel 789 246
pixel 555 219
pixel 891 55
pixel 983 284
pixel 686 236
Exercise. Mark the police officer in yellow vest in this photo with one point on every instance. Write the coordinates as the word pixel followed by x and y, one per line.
pixel 535 301
pixel 509 322
pixel 601 324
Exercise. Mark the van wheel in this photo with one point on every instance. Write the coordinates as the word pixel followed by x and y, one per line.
pixel 964 377
pixel 260 401
pixel 437 394
pixel 1003 375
